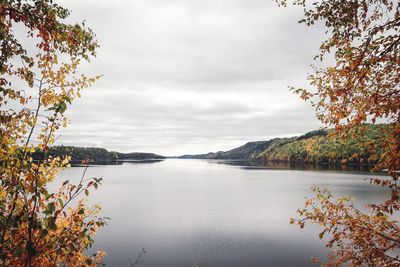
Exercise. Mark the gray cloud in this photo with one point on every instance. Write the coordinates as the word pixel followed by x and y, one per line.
pixel 187 76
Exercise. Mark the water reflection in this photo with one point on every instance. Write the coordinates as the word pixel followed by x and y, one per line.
pixel 246 164
pixel 139 161
pixel 213 213
pixel 117 162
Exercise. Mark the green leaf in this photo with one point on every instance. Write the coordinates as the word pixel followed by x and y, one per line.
pixel 52 223
pixel 62 107
pixel 18 252
pixel 50 208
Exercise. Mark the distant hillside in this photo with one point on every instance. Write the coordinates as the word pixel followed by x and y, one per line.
pixel 242 152
pixel 136 156
pixel 323 147
pixel 95 154
pixel 319 146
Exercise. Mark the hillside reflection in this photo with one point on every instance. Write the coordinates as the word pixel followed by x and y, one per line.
pixel 244 164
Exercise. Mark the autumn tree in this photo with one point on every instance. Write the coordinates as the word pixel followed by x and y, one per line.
pixel 39 60
pixel 362 86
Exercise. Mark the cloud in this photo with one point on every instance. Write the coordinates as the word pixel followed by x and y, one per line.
pixel 186 76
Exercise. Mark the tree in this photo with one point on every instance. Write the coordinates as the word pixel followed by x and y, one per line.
pixel 362 86
pixel 38 227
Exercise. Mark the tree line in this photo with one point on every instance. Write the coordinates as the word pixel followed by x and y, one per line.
pixel 325 147
pixel 93 154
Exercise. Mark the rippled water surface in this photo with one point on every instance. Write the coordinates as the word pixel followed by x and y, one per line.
pixel 211 213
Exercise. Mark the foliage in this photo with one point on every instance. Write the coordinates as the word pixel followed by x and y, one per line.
pixel 319 146
pixel 94 154
pixel 244 152
pixel 324 146
pixel 358 238
pixel 77 154
pixel 38 227
pixel 362 86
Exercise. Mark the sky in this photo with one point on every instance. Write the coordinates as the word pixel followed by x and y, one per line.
pixel 192 76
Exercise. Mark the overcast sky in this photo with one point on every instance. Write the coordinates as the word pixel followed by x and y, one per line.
pixel 192 76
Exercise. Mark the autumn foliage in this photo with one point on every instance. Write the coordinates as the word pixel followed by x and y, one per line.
pixel 39 227
pixel 363 85
pixel 326 147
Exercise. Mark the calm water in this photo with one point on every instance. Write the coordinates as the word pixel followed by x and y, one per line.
pixel 211 213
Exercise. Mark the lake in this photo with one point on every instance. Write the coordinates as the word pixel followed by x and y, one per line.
pixel 213 213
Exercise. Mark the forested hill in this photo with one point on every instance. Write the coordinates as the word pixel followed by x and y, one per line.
pixel 319 146
pixel 95 154
pixel 242 152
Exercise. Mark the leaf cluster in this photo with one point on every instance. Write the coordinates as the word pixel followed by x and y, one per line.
pixel 362 86
pixel 39 227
